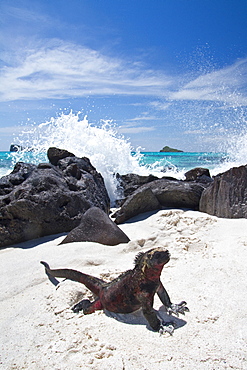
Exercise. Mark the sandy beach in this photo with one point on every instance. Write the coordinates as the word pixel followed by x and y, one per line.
pixel 207 269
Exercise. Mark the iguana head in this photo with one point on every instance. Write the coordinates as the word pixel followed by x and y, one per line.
pixel 156 257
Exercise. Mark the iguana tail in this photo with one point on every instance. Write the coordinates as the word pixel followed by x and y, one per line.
pixel 92 283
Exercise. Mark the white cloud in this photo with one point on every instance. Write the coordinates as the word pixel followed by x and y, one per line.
pixel 143 118
pixel 160 105
pixel 25 14
pixel 227 85
pixel 135 129
pixel 54 69
pixel 134 126
pixel 194 132
pixel 60 70
pixel 11 130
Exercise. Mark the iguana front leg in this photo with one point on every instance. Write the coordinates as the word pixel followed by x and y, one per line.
pixel 171 307
pixel 151 317
pixel 156 323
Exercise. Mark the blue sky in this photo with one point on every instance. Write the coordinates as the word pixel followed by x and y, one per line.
pixel 165 72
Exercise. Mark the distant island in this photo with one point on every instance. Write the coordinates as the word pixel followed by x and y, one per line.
pixel 168 149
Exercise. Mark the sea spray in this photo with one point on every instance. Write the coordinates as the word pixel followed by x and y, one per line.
pixel 237 143
pixel 107 151
pixel 111 153
pixel 231 137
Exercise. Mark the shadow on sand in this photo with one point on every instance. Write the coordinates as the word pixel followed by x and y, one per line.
pixel 137 318
pixel 35 242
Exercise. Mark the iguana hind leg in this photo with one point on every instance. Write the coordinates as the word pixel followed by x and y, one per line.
pixel 87 307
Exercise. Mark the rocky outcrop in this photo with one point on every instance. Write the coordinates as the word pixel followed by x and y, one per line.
pixel 48 199
pixel 198 174
pixel 142 200
pixel 162 192
pixel 227 195
pixel 131 182
pixel 55 154
pixel 96 226
pixel 177 193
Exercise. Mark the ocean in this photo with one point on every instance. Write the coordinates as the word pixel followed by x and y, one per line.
pixel 175 164
pixel 110 153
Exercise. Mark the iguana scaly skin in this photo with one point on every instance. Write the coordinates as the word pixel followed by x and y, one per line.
pixel 132 290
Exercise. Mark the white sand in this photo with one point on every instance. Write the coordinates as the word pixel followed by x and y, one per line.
pixel 207 269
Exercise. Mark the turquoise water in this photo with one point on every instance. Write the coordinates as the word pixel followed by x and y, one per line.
pixel 111 153
pixel 9 159
pixel 182 162
pixel 152 162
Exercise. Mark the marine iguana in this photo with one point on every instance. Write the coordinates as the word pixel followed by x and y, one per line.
pixel 130 291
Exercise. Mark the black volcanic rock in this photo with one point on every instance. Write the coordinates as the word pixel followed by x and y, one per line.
pixel 142 200
pixel 227 195
pixel 96 226
pixel 164 192
pixel 46 199
pixel 177 193
pixel 198 174
pixel 55 154
pixel 130 182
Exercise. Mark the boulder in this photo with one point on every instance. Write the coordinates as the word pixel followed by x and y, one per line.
pixel 198 174
pixel 142 200
pixel 177 193
pixel 227 195
pixel 46 199
pixel 130 182
pixel 96 226
pixel 162 192
pixel 55 154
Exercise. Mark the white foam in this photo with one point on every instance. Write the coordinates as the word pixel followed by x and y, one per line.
pixel 107 151
pixel 111 153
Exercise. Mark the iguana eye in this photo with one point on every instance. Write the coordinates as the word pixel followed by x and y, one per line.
pixel 158 255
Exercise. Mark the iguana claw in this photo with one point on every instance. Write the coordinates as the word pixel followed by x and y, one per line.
pixel 81 306
pixel 177 309
pixel 167 327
